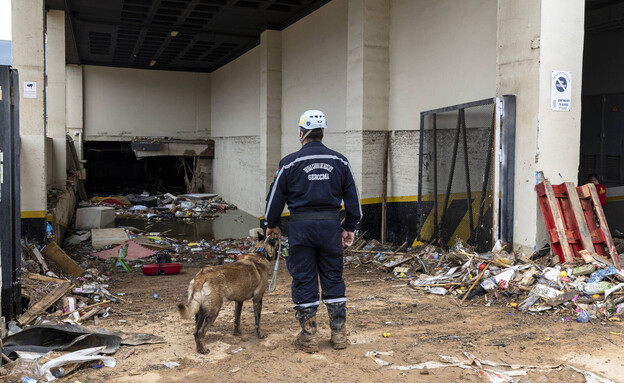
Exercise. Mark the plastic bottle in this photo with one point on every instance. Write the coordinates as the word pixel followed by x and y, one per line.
pixel 584 270
pixel 530 301
pixel 610 305
pixel 601 274
pixel 49 231
pixel 596 287
pixel 583 317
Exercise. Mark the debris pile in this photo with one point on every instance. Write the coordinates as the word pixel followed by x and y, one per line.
pixel 162 207
pixel 581 291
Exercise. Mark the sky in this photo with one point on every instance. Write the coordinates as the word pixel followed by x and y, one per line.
pixel 5 19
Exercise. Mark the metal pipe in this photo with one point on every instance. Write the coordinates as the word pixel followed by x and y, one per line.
pixel 435 178
pixel 486 178
pixel 467 166
pixel 419 209
pixel 452 173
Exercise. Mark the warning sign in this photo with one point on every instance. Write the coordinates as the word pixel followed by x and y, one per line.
pixel 561 91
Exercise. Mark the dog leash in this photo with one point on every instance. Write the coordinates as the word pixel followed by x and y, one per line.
pixel 273 284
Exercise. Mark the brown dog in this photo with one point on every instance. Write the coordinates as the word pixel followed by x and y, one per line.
pixel 245 279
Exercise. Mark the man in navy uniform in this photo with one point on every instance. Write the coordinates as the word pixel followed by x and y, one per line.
pixel 314 182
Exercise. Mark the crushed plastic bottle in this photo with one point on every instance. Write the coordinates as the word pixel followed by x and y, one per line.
pixel 610 305
pixel 583 317
pixel 49 231
pixel 601 274
pixel 595 288
pixel 530 301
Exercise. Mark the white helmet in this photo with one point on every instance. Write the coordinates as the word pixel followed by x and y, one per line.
pixel 313 119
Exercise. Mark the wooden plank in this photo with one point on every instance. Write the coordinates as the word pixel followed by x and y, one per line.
pixel 39 257
pixel 68 265
pixel 579 216
pixel 563 298
pixel 384 190
pixel 558 221
pixel 48 300
pixel 89 314
pixel 604 227
pixel 45 278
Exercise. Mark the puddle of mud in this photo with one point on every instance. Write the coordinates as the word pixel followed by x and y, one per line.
pixel 233 224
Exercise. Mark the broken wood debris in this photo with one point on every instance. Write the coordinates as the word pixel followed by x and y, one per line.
pixel 48 300
pixel 501 277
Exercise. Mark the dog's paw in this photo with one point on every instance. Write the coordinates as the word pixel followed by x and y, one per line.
pixel 236 332
pixel 261 335
pixel 203 351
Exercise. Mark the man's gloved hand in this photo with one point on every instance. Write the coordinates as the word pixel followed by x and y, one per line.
pixel 273 232
pixel 347 238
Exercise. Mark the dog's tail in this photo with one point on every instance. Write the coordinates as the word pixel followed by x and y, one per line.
pixel 188 310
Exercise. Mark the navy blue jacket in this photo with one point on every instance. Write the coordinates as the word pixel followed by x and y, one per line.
pixel 314 179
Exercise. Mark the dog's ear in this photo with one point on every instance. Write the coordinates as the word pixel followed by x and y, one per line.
pixel 271 248
pixel 261 236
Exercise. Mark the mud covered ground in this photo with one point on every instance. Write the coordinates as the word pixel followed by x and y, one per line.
pixel 421 328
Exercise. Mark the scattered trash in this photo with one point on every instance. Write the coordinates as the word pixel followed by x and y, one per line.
pixel 171 364
pixel 504 278
pixel 494 371
pixel 127 354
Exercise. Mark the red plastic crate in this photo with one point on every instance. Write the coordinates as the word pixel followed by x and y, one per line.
pixel 570 214
pixel 168 268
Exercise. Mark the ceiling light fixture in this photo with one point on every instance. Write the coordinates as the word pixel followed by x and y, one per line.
pixel 152 63
pixel 174 33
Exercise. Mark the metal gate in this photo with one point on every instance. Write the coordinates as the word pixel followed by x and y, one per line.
pixel 465 178
pixel 10 248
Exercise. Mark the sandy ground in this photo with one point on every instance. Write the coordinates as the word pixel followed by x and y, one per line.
pixel 422 327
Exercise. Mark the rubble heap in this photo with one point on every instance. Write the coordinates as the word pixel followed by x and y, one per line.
pixel 583 290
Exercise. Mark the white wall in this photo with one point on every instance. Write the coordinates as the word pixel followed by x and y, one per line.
pixel 235 128
pixel 314 74
pixel 121 103
pixel 5 19
pixel 442 52
pixel 236 172
pixel 236 97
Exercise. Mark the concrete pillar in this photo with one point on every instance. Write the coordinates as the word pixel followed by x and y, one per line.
pixel 270 104
pixel 74 105
pixel 55 27
pixel 536 37
pixel 28 58
pixel 367 90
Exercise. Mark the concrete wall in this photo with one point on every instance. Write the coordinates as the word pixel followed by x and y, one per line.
pixel 121 103
pixel 534 38
pixel 235 105
pixel 442 52
pixel 55 29
pixel 74 106
pixel 314 74
pixel 28 58
pixel 236 174
pixel 235 97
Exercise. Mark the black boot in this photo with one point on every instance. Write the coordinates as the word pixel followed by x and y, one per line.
pixel 307 340
pixel 337 318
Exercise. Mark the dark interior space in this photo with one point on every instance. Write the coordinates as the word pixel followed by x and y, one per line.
pixel 112 168
pixel 602 116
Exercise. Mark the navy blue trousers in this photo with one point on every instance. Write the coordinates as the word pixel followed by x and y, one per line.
pixel 315 253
